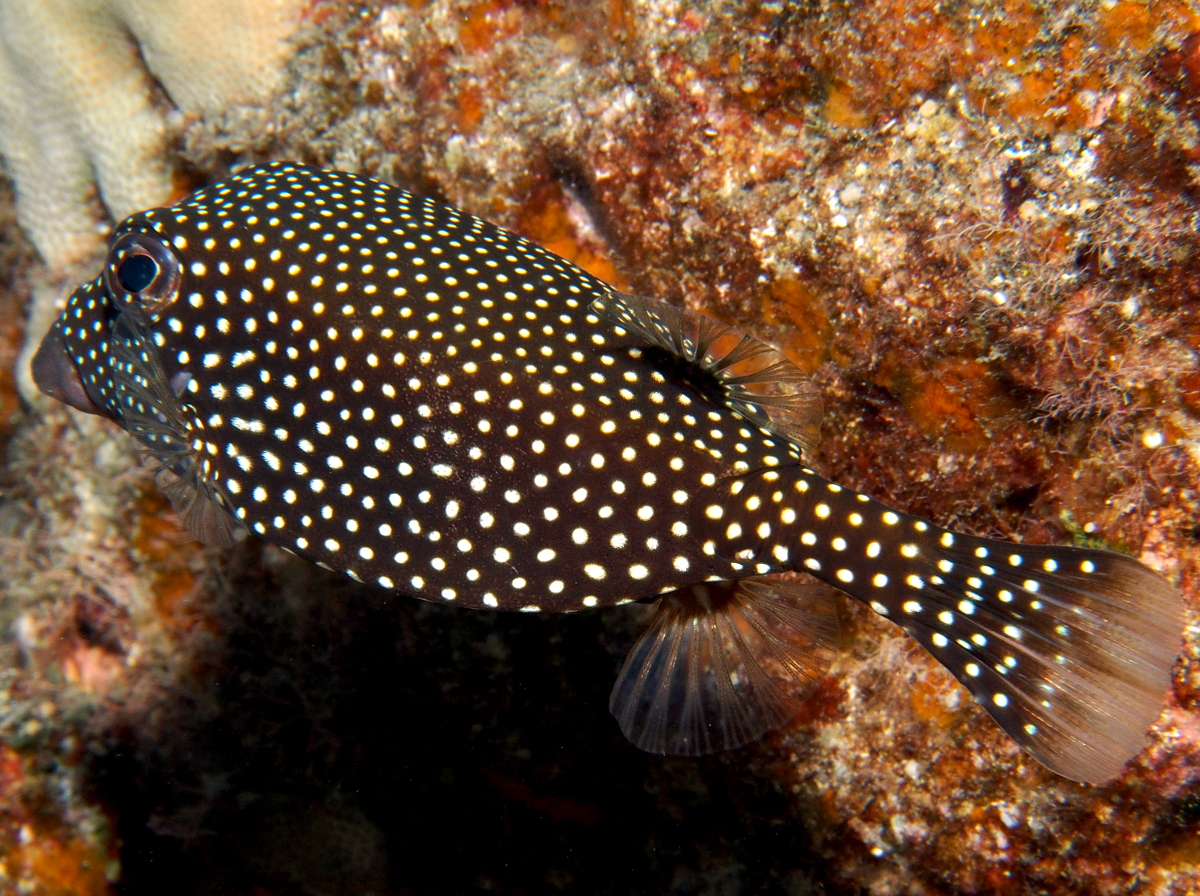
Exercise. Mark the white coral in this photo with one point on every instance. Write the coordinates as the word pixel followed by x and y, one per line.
pixel 79 109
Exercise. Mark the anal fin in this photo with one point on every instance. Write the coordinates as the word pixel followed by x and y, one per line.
pixel 723 663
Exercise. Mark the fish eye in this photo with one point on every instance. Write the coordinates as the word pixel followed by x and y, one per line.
pixel 136 272
pixel 142 270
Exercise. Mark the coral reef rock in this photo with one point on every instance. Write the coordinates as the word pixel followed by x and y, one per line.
pixel 81 107
pixel 974 224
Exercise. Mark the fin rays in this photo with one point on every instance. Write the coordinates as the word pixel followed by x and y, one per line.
pixel 150 412
pixel 1073 665
pixel 723 663
pixel 760 384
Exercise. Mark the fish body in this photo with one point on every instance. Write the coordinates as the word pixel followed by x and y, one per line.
pixel 400 391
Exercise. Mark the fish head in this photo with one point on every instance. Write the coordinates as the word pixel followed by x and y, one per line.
pixel 142 275
pixel 122 349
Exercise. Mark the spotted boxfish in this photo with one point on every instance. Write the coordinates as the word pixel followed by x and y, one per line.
pixel 400 391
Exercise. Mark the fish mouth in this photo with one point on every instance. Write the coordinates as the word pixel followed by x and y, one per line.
pixel 57 376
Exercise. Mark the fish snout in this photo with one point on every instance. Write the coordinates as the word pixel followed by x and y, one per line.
pixel 57 376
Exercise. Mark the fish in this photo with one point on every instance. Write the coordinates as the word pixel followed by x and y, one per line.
pixel 400 391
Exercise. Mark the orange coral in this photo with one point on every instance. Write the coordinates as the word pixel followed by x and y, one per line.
pixel 486 24
pixel 546 219
pixel 928 698
pixel 954 402
pixel 809 330
pixel 43 857
pixel 1129 23
pixel 168 551
pixel 470 107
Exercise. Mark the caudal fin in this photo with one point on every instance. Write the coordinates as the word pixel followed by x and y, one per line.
pixel 723 663
pixel 1070 650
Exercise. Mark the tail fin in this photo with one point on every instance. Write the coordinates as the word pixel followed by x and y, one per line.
pixel 1070 650
pixel 723 663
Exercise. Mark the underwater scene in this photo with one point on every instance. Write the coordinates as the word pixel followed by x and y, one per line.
pixel 599 447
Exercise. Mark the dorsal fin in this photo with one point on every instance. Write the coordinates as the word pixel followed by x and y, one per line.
pixel 151 412
pixel 760 384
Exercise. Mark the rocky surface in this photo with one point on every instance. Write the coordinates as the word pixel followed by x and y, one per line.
pixel 975 226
